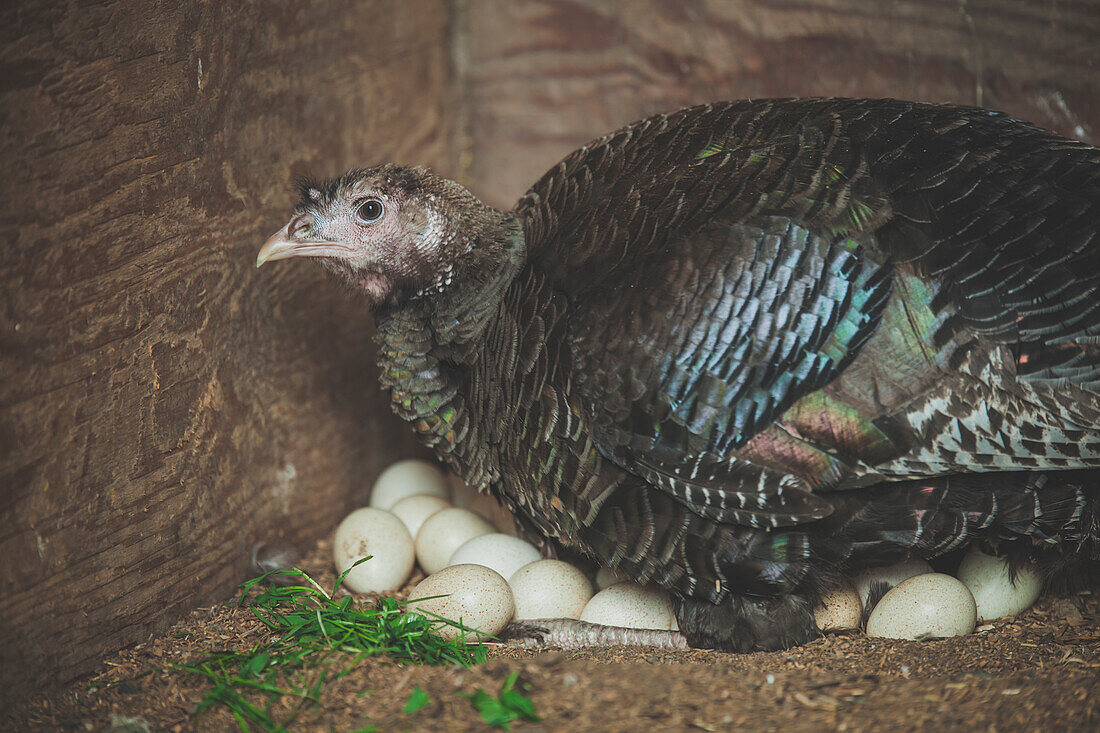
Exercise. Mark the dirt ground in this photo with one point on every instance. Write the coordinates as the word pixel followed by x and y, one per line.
pixel 1038 671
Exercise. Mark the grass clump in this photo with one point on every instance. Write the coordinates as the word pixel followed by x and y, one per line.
pixel 507 707
pixel 418 699
pixel 313 627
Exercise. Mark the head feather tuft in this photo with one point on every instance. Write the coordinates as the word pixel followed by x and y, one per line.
pixel 310 191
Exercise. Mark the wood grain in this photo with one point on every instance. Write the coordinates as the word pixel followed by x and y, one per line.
pixel 543 77
pixel 164 404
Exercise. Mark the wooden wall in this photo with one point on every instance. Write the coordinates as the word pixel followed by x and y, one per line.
pixel 164 404
pixel 545 76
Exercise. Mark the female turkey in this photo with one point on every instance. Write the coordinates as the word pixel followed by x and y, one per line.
pixel 739 349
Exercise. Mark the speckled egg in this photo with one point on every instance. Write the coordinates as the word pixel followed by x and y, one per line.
pixel 501 552
pixel 549 589
pixel 991 584
pixel 931 606
pixel 631 606
pixel 474 595
pixel 413 510
pixel 381 535
pixel 607 577
pixel 840 609
pixel 889 574
pixel 408 478
pixel 444 532
pixel 467 497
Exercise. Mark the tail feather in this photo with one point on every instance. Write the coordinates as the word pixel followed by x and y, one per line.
pixel 1053 509
pixel 651 537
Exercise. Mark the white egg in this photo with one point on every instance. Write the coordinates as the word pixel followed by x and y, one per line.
pixel 890 574
pixel 549 589
pixel 931 606
pixel 995 594
pixel 607 577
pixel 501 552
pixel 474 595
pixel 408 478
pixel 840 609
pixel 444 532
pixel 632 606
pixel 467 497
pixel 380 534
pixel 413 510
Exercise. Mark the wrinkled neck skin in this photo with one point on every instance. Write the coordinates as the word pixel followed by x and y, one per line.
pixel 426 344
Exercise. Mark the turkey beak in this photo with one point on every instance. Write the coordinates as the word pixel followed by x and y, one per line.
pixel 293 241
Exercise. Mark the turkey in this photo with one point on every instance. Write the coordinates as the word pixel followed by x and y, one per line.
pixel 740 349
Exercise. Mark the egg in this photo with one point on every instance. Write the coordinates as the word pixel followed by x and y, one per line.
pixel 889 574
pixel 607 577
pixel 995 594
pixel 549 589
pixel 924 606
pixel 840 608
pixel 444 532
pixel 631 606
pixel 501 552
pixel 474 595
pixel 381 535
pixel 413 510
pixel 408 478
pixel 467 497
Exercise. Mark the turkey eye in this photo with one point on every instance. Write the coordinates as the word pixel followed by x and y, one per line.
pixel 369 210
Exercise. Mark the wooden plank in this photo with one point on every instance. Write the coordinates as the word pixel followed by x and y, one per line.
pixel 543 77
pixel 164 404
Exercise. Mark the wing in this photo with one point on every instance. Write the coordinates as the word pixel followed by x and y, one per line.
pixel 709 346
pixel 728 264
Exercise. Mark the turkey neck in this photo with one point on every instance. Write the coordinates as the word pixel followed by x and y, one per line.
pixel 430 346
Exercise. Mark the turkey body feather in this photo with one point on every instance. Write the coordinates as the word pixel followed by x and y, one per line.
pixel 768 302
pixel 833 291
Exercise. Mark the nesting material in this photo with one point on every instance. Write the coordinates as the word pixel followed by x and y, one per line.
pixel 474 595
pixel 549 589
pixel 381 535
pixel 891 575
pixel 444 532
pixel 990 582
pixel 408 478
pixel 840 609
pixel 631 606
pixel 931 606
pixel 501 552
pixel 413 510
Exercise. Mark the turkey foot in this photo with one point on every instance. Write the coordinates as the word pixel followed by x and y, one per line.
pixel 570 634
